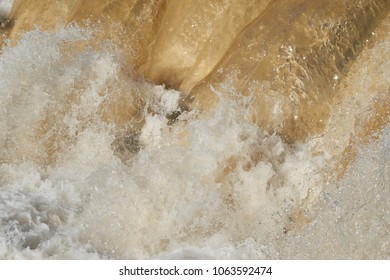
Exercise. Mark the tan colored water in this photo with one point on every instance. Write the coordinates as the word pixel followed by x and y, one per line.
pixel 190 128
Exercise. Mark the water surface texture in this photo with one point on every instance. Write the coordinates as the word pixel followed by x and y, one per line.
pixel 196 129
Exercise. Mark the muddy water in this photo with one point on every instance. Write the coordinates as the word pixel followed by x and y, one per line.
pixel 194 129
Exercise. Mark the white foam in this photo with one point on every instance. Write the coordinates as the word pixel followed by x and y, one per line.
pixel 202 187
pixel 5 7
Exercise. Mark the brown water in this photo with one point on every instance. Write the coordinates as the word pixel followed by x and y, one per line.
pixel 194 129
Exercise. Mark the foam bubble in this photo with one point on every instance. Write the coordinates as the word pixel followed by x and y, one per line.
pixel 99 163
pixel 5 7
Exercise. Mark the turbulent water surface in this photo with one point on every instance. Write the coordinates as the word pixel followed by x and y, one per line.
pixel 194 129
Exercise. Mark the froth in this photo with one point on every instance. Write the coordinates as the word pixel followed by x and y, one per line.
pixel 213 182
pixel 97 162
pixel 5 8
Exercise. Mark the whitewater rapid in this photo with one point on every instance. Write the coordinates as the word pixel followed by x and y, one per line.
pixel 83 178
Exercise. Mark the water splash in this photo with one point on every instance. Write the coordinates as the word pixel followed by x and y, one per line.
pixel 99 162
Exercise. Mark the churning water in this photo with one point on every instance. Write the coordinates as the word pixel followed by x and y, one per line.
pixel 145 147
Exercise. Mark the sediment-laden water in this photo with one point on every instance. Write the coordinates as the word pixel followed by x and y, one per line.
pixel 194 129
